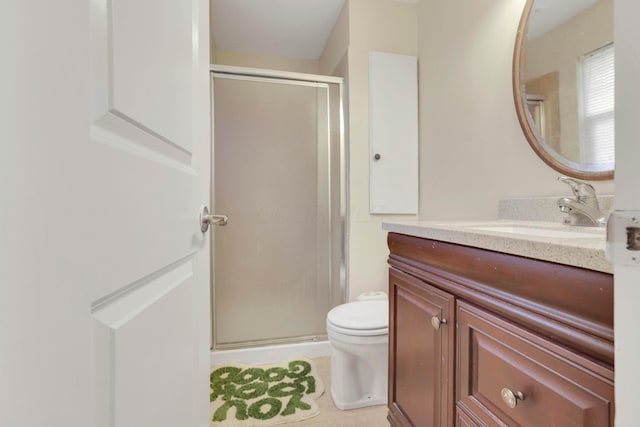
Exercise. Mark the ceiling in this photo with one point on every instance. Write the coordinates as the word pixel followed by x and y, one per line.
pixel 548 14
pixel 300 28
pixel 293 28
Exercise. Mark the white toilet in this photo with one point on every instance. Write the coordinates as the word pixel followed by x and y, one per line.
pixel 359 334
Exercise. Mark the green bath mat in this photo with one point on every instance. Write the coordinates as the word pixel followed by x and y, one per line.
pixel 265 395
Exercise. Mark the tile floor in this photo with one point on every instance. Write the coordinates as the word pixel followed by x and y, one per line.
pixel 330 416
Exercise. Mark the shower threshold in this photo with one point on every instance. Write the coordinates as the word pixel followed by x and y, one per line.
pixel 271 353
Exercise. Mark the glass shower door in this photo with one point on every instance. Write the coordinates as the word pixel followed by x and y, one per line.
pixel 277 261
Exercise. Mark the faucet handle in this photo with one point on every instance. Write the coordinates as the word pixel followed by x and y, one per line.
pixel 581 190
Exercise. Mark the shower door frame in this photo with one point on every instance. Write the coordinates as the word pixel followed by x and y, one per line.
pixel 258 74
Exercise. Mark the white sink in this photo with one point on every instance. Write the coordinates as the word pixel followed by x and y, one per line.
pixel 562 232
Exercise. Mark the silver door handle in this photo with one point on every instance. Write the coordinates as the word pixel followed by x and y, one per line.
pixel 207 219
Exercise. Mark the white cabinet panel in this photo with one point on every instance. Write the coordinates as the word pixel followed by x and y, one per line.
pixel 393 133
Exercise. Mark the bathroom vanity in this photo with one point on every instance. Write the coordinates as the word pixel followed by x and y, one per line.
pixel 484 331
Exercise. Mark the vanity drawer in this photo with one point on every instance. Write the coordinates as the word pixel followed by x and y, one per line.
pixel 559 388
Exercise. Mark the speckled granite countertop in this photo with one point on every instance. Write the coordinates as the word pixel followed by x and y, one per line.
pixel 577 246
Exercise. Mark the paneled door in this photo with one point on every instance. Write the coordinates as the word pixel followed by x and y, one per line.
pixel 627 200
pixel 104 271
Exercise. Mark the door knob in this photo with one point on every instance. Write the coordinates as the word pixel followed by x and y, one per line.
pixel 207 219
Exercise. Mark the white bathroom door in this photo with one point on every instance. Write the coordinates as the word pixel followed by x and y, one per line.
pixel 627 182
pixel 104 272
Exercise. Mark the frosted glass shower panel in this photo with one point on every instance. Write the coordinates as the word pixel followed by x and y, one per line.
pixel 393 133
pixel 272 177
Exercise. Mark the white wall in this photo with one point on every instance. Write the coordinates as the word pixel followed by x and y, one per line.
pixel 387 26
pixel 337 44
pixel 473 151
pixel 271 62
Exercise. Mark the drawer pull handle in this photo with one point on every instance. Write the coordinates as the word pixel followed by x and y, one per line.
pixel 511 398
pixel 437 322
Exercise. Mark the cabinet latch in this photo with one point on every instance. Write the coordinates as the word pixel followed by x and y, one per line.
pixel 623 238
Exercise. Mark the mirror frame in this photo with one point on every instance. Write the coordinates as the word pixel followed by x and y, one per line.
pixel 535 140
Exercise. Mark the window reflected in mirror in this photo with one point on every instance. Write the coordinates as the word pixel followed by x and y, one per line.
pixel 596 106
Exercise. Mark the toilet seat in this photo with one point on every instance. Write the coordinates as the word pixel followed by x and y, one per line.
pixel 333 329
pixel 360 318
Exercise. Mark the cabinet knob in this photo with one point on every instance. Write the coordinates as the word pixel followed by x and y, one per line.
pixel 437 322
pixel 510 398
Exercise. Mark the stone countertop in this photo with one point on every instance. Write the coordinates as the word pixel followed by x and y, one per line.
pixel 548 241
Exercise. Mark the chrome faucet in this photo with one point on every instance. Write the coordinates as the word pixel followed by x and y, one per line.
pixel 584 209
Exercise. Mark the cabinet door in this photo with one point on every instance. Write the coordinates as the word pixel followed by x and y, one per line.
pixel 420 356
pixel 498 360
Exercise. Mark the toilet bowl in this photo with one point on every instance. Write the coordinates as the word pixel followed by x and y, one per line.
pixel 359 334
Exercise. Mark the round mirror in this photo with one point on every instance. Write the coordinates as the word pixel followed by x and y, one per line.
pixel 563 84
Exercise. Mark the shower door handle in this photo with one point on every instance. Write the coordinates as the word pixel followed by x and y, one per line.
pixel 207 219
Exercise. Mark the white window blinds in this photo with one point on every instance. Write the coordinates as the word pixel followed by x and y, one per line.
pixel 597 106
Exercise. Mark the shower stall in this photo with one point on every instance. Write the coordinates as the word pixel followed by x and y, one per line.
pixel 279 175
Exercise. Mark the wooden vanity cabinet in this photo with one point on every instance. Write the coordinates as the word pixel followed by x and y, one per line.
pixel 522 332
pixel 421 357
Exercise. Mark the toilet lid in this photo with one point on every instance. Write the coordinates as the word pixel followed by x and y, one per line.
pixel 361 315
